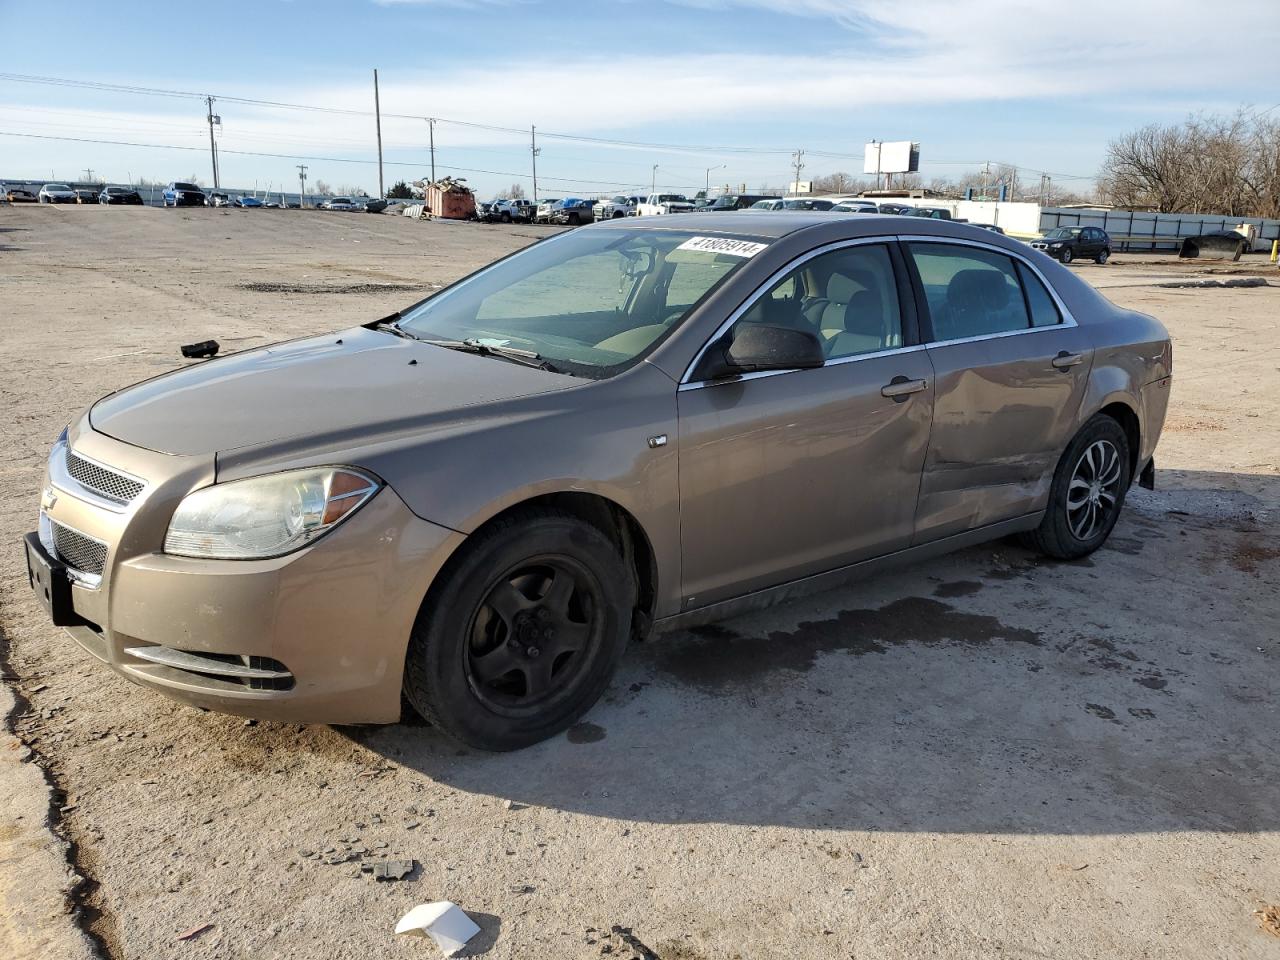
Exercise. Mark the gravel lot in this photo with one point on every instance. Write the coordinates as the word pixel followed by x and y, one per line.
pixel 986 755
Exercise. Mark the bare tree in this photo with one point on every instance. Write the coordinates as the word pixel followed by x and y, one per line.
pixel 513 192
pixel 1207 164
pixel 321 188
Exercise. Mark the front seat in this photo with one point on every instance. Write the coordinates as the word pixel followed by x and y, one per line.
pixel 973 296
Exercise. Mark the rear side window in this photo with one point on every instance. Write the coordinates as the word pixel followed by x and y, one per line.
pixel 971 292
pixel 1044 312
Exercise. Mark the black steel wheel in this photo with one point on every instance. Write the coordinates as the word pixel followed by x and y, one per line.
pixel 1088 490
pixel 521 632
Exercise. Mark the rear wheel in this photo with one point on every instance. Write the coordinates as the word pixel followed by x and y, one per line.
pixel 1066 256
pixel 1102 256
pixel 1087 493
pixel 523 632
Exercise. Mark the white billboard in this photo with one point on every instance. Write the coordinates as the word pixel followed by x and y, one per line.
pixel 900 156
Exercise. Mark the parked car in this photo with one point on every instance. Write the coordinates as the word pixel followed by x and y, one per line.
pixel 733 201
pixel 900 209
pixel 56 193
pixel 572 211
pixel 1074 243
pixel 619 206
pixel 933 213
pixel 491 547
pixel 987 226
pixel 343 204
pixel 511 211
pixel 663 203
pixel 542 212
pixel 217 200
pixel 120 195
pixel 806 203
pixel 86 196
pixel 179 194
pixel 778 204
pixel 19 195
pixel 483 207
pixel 248 202
pixel 848 207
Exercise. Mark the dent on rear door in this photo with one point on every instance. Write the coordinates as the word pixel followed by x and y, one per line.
pixel 1002 416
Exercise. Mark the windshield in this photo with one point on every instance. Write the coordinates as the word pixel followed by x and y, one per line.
pixel 56 186
pixel 672 198
pixel 1062 233
pixel 589 302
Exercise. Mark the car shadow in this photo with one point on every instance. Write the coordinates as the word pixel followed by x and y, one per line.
pixel 989 691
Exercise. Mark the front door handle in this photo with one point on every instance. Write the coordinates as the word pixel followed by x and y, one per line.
pixel 1066 360
pixel 900 388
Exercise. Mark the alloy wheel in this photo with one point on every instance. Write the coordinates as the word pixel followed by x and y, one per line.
pixel 1093 493
pixel 531 635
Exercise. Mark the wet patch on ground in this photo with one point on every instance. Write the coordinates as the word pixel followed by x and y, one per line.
pixel 585 733
pixel 957 588
pixel 1101 712
pixel 718 657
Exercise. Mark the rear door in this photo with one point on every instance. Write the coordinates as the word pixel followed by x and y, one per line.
pixel 1010 373
pixel 784 474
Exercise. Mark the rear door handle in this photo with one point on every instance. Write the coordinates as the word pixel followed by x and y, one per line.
pixel 1065 360
pixel 900 388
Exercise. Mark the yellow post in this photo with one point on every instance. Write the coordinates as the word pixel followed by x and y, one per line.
pixel 1275 250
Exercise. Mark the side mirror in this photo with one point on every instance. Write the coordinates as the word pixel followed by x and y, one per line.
pixel 755 347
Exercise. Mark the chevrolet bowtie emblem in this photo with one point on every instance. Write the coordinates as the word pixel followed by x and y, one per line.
pixel 48 499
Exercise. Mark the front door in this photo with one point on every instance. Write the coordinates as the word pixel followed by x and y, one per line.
pixel 788 474
pixel 1011 369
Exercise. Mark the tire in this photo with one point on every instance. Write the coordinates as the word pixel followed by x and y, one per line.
pixel 1062 533
pixel 1066 256
pixel 574 220
pixel 1102 256
pixel 617 215
pixel 531 582
pixel 506 218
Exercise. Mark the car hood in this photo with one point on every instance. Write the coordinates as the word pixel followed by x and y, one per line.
pixel 357 382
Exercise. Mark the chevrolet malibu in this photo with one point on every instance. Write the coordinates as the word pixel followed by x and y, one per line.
pixel 638 425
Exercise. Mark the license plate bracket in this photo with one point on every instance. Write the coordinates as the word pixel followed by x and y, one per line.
pixel 50 582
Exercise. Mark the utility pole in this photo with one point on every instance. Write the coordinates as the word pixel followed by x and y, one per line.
pixel 377 112
pixel 302 186
pixel 213 146
pixel 431 134
pixel 797 160
pixel 533 153
pixel 88 174
pixel 653 185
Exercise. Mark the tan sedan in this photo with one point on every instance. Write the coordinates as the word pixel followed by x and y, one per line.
pixel 640 424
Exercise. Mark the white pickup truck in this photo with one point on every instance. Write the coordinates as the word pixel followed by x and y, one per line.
pixel 618 206
pixel 659 203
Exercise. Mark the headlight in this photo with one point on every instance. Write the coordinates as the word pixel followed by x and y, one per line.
pixel 266 516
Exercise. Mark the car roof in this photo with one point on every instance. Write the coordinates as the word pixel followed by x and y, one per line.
pixel 775 224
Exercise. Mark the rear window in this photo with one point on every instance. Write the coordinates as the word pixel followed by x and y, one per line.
pixel 185 186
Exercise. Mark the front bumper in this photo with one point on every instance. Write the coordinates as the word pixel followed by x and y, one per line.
pixel 316 636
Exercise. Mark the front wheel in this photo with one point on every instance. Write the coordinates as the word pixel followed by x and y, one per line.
pixel 1066 256
pixel 522 633
pixel 1087 493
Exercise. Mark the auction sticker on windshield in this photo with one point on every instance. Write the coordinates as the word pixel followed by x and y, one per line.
pixel 736 248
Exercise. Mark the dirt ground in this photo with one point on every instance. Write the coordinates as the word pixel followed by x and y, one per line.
pixel 987 755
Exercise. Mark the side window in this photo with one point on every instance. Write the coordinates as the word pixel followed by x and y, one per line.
pixel 1044 312
pixel 848 297
pixel 971 292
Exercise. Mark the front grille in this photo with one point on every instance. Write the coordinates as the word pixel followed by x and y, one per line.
pixel 77 550
pixel 102 480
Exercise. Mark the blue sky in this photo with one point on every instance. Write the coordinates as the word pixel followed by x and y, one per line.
pixel 738 83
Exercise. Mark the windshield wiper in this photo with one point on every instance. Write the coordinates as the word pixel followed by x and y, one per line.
pixel 526 358
pixel 391 325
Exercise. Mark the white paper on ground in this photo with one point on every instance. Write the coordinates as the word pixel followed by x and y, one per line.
pixel 443 922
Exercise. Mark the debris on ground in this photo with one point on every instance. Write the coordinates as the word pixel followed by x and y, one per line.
pixel 633 948
pixel 201 350
pixel 442 921
pixel 1232 282
pixel 195 931
pixel 273 287
pixel 1269 919
pixel 389 869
